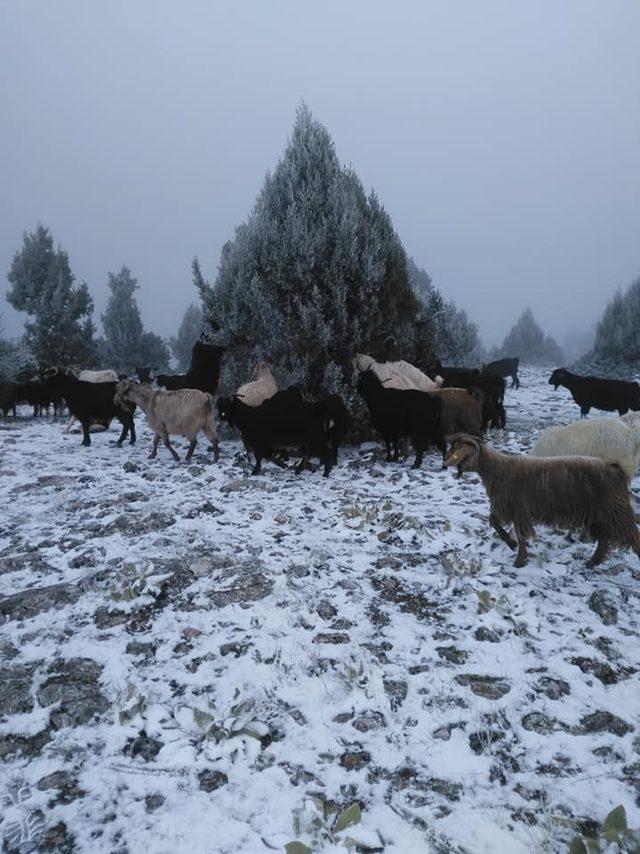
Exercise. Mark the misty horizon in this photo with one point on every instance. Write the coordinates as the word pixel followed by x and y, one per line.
pixel 504 143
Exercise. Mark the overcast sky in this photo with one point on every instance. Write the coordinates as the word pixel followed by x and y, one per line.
pixel 503 138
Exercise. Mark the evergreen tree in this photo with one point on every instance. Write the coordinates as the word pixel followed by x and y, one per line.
pixel 126 345
pixel 188 334
pixel 42 285
pixel 618 331
pixel 527 341
pixel 314 275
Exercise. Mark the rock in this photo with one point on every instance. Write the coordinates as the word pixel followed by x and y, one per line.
pixel 602 721
pixel 147 650
pixel 142 745
pixel 7 650
pixel 603 604
pixel 490 687
pixel 396 690
pixel 23 745
pixel 452 655
pixel 331 637
pixel 237 649
pixel 484 634
pixel 367 721
pixel 250 588
pixel 325 610
pixel 130 467
pixel 443 733
pixel 153 802
pixel 59 840
pixel 15 689
pixel 355 760
pixel 552 687
pixel 74 688
pixel 418 668
pixel 28 603
pixel 212 780
pixel 66 785
pixel 540 723
pixel 602 670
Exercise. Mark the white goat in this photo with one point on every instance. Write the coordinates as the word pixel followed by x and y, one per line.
pixel 184 412
pixel 399 375
pixel 611 439
pixel 262 386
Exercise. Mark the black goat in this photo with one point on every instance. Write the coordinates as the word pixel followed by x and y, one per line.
pixel 598 393
pixel 286 420
pixel 8 397
pixel 92 403
pixel 39 395
pixel 397 414
pixel 335 421
pixel 144 375
pixel 504 368
pixel 203 373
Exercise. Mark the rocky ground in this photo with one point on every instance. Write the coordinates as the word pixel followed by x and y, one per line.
pixel 193 659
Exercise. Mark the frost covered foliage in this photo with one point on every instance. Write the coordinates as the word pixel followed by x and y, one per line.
pixel 441 329
pixel 42 285
pixel 14 359
pixel 188 334
pixel 315 274
pixel 527 341
pixel 618 332
pixel 126 345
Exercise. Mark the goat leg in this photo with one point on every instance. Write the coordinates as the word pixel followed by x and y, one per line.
pixel 600 553
pixel 192 447
pixel 504 536
pixel 154 449
pixel 123 434
pixel 167 444
pixel 132 431
pixel 86 438
pixel 258 466
pixel 419 457
pixel 387 443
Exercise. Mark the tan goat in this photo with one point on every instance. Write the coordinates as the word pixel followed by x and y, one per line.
pixel 184 412
pixel 262 386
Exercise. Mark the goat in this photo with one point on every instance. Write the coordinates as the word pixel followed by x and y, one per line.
pixel 261 387
pixel 8 397
pixel 335 421
pixel 610 439
pixel 203 373
pixel 567 492
pixel 504 368
pixel 285 420
pixel 38 395
pixel 144 375
pixel 492 389
pixel 183 412
pixel 103 376
pixel 598 393
pixel 461 410
pixel 91 404
pixel 396 414
pixel 399 375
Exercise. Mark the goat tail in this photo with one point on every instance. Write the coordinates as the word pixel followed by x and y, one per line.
pixel 622 527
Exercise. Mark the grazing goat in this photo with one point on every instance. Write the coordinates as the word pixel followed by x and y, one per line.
pixel 183 412
pixel 38 395
pixel 261 387
pixel 492 389
pixel 203 373
pixel 461 410
pixel 396 414
pixel 566 492
pixel 504 368
pixel 399 375
pixel 598 393
pixel 614 440
pixel 286 420
pixel 91 404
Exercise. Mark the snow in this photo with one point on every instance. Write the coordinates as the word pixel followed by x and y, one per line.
pixel 302 637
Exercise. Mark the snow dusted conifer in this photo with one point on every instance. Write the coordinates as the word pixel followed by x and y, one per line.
pixel 527 341
pixel 42 285
pixel 188 334
pixel 315 274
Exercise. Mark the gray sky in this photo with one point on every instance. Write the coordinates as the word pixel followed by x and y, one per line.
pixel 503 138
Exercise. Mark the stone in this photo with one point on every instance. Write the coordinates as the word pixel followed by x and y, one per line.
pixel 15 689
pixel 540 723
pixel 326 610
pixel 75 690
pixel 603 604
pixel 552 687
pixel 355 760
pixel 452 655
pixel 65 783
pixel 153 802
pixel 602 721
pixel 331 637
pixel 211 780
pixel 396 690
pixel 143 746
pixel 367 721
pixel 490 687
pixel 488 635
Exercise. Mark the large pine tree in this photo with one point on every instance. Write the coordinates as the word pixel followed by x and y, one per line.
pixel 188 333
pixel 527 341
pixel 42 285
pixel 126 345
pixel 314 275
pixel 618 331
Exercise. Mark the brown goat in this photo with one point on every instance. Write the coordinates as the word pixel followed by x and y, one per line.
pixel 461 410
pixel 568 492
pixel 183 412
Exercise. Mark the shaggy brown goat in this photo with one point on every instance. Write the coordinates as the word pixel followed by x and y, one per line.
pixel 183 412
pixel 569 492
pixel 461 410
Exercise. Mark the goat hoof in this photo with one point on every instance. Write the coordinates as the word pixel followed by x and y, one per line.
pixel 520 562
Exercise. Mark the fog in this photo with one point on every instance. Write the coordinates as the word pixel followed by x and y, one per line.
pixel 503 138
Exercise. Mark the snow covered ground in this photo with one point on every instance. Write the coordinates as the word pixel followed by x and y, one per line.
pixel 196 660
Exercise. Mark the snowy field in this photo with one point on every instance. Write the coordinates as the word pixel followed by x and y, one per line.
pixel 195 660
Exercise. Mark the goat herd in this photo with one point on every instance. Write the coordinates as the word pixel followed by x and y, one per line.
pixel 575 477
